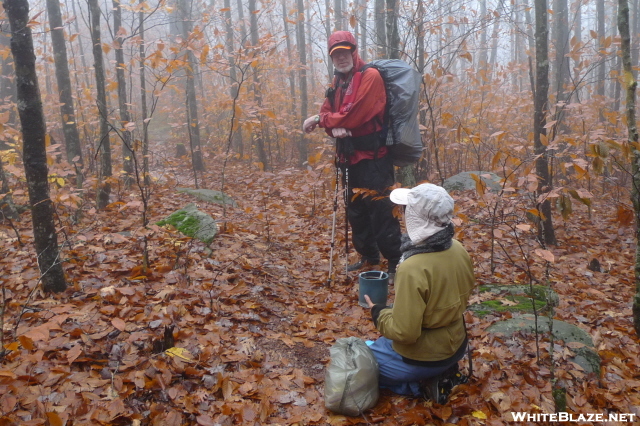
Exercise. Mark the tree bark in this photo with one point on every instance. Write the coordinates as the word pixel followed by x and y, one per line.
pixel 311 81
pixel 304 96
pixel 143 99
pixel 381 35
pixel 257 90
pixel 234 84
pixel 7 82
pixel 600 82
pixel 104 145
pixel 363 30
pixel 393 38
pixel 577 35
pixel 67 111
pixel 193 125
pixel 631 84
pixel 337 7
pixel 635 53
pixel 494 38
pixel 34 151
pixel 483 52
pixel 292 74
pixel 125 117
pixel 561 17
pixel 545 224
pixel 327 27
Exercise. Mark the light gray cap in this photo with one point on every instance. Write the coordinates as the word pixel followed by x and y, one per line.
pixel 429 209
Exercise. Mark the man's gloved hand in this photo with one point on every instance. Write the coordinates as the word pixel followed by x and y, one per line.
pixel 340 132
pixel 311 123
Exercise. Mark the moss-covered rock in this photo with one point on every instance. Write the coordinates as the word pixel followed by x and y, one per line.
pixel 193 223
pixel 514 298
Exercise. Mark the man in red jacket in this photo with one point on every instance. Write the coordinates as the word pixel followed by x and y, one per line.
pixel 353 113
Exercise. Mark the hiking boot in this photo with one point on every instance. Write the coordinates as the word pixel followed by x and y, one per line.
pixel 362 263
pixel 438 388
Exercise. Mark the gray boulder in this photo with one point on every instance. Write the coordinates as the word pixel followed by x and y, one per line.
pixel 464 182
pixel 578 340
pixel 209 195
pixel 193 223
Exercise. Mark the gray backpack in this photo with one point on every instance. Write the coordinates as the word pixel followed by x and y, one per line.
pixel 402 85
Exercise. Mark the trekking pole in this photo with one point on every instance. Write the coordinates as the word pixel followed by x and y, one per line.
pixel 346 219
pixel 333 230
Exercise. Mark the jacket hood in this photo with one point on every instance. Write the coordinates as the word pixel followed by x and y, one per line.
pixel 345 37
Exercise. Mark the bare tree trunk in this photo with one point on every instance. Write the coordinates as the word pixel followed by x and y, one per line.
pixel 494 37
pixel 327 27
pixel 125 118
pixel 615 87
pixel 482 48
pixel 104 145
pixel 143 99
pixel 600 82
pixel 545 228
pixel 337 7
pixel 243 26
pixel 292 75
pixel 7 80
pixel 193 125
pixel 631 84
pixel 577 34
pixel 233 86
pixel 302 144
pixel 363 30
pixel 257 90
pixel 310 60
pixel 635 53
pixel 67 111
pixel 381 35
pixel 34 151
pixel 393 38
pixel 562 71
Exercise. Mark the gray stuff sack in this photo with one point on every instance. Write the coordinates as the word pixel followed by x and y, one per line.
pixel 351 381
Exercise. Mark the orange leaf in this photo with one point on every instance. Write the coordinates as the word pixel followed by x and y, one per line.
pixel 54 419
pixel 118 323
pixel 26 342
pixel 13 346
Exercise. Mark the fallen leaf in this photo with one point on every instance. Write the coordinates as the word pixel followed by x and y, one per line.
pixel 479 415
pixel 118 323
pixel 181 353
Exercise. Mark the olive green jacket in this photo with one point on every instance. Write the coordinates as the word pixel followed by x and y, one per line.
pixel 432 291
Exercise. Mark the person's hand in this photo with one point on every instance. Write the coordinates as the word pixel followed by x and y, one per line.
pixel 310 124
pixel 368 300
pixel 340 132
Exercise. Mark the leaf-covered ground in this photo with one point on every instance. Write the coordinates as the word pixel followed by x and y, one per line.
pixel 254 318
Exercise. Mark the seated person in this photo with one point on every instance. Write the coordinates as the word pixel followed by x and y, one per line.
pixel 423 334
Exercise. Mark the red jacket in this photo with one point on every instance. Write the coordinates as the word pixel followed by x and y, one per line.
pixel 367 113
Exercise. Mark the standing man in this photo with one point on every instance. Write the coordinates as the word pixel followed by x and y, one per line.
pixel 353 113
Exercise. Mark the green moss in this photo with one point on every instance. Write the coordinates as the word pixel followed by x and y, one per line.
pixel 523 304
pixel 183 222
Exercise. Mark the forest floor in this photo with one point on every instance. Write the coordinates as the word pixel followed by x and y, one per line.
pixel 256 318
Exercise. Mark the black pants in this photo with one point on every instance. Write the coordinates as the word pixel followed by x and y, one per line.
pixel 375 230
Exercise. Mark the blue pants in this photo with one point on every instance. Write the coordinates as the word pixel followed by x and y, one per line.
pixel 398 376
